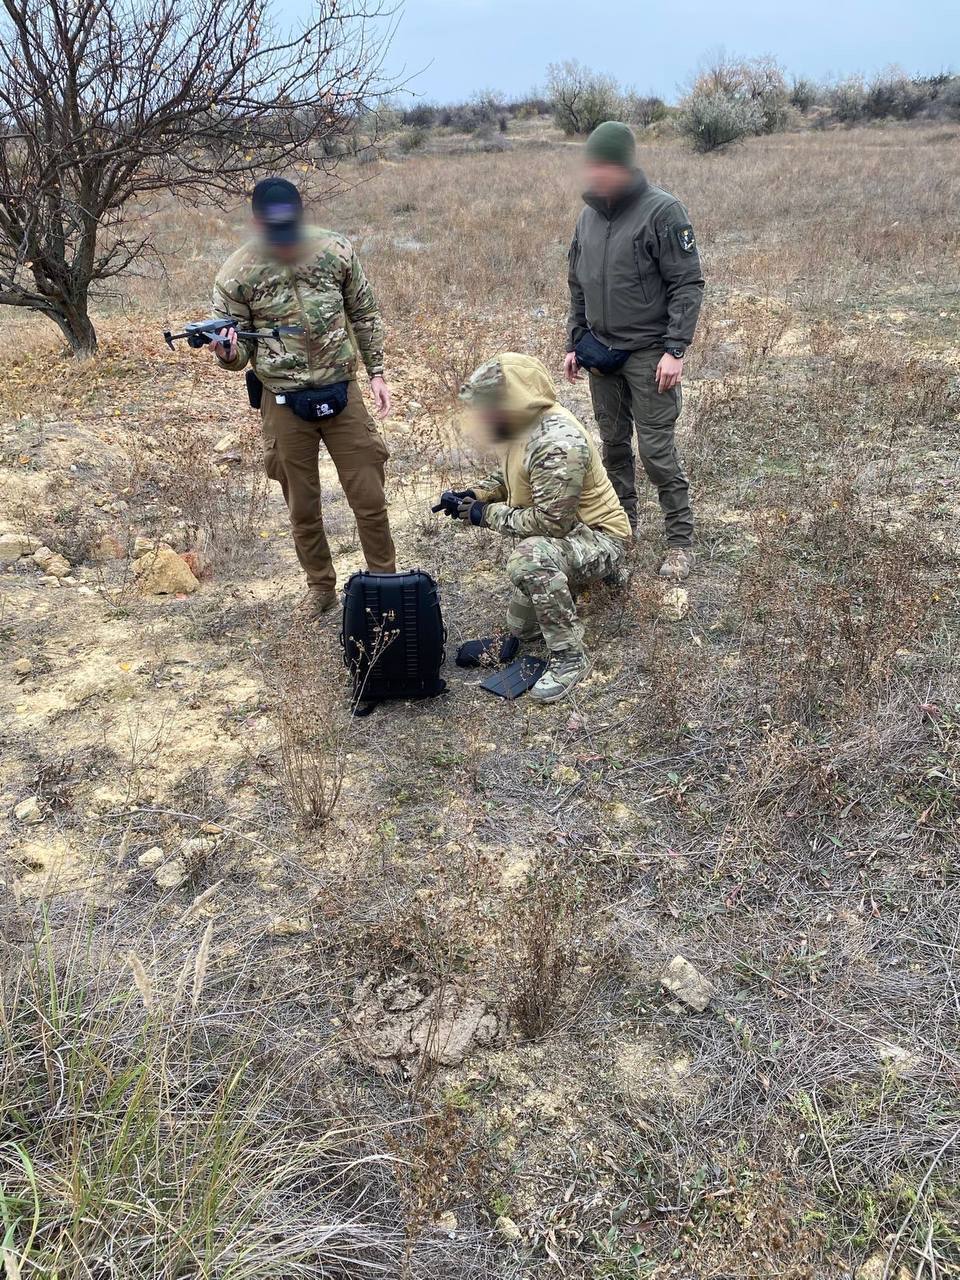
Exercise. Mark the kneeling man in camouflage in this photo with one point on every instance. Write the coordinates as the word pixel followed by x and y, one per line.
pixel 553 496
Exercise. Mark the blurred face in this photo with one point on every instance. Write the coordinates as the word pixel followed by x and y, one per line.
pixel 488 426
pixel 279 252
pixel 604 180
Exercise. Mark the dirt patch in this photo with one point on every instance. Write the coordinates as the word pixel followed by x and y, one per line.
pixel 404 1020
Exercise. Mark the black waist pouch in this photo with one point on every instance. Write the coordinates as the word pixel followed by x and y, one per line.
pixel 316 403
pixel 595 355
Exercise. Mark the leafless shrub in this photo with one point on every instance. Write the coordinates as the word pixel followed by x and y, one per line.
pixel 313 720
pixel 178 478
pixel 540 948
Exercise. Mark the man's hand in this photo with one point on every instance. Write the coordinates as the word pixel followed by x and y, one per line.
pixel 450 501
pixel 472 510
pixel 381 395
pixel 225 348
pixel 571 368
pixel 669 372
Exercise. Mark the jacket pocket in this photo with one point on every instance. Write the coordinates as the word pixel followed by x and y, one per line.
pixel 643 269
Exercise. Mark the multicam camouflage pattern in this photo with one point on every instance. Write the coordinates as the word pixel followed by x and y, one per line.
pixel 543 570
pixel 556 460
pixel 315 302
pixel 553 494
pixel 484 384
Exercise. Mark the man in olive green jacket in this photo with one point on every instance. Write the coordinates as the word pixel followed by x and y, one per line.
pixel 309 284
pixel 636 286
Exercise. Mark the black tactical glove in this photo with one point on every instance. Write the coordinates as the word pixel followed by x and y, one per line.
pixel 450 501
pixel 472 510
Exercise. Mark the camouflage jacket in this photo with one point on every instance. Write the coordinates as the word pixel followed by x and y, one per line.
pixel 323 305
pixel 555 457
pixel 552 478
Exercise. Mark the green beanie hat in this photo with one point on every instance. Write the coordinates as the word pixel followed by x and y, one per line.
pixel 613 143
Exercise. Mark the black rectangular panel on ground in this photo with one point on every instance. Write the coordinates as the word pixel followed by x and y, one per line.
pixel 514 681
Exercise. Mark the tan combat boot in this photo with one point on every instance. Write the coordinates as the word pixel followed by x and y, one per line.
pixel 677 565
pixel 567 668
pixel 315 602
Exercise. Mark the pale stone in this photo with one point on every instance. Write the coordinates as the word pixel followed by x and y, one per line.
pixel 15 545
pixel 57 567
pixel 164 573
pixel 674 604
pixel 171 875
pixel 28 811
pixel 685 982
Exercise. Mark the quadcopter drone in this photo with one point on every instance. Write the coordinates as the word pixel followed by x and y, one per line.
pixel 199 333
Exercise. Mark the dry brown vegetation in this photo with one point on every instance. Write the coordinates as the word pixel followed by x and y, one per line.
pixel 423 1031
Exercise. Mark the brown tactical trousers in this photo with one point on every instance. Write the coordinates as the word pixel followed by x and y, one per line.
pixel 291 452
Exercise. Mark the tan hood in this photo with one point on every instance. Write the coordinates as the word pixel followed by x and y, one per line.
pixel 516 385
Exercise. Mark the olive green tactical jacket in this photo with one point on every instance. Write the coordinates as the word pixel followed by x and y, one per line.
pixel 635 276
pixel 315 302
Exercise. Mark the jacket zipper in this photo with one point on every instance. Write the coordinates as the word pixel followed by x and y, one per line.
pixel 603 272
pixel 306 324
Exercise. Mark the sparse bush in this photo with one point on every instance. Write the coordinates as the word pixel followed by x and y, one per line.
pixel 717 119
pixel 643 110
pixel 732 99
pixel 413 139
pixel 484 109
pixel 893 95
pixel 803 94
pixel 423 115
pixel 541 954
pixel 848 101
pixel 580 98
pixel 313 721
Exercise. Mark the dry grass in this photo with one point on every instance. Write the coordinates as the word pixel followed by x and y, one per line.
pixel 769 786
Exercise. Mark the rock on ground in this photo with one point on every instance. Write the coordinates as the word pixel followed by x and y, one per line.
pixel 685 982
pixel 172 874
pixel 57 567
pixel 674 604
pixel 15 545
pixel 28 811
pixel 508 1228
pixel 164 573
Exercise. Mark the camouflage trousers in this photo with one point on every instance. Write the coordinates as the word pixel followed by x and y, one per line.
pixel 544 572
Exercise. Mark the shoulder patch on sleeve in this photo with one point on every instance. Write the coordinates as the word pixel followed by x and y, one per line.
pixel 685 237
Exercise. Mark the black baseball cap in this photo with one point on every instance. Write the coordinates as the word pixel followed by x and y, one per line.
pixel 277 204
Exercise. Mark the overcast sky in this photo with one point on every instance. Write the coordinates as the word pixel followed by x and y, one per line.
pixel 461 46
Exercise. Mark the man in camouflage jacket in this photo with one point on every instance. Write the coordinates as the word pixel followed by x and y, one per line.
pixel 553 496
pixel 309 284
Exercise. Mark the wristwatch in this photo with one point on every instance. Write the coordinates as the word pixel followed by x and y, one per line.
pixel 677 352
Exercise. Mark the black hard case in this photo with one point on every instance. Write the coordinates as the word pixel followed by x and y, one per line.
pixel 393 635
